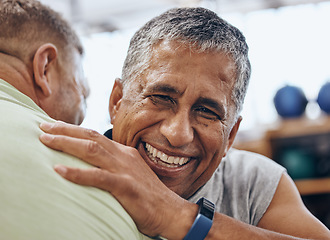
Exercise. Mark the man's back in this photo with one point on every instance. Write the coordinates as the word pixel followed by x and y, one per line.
pixel 36 202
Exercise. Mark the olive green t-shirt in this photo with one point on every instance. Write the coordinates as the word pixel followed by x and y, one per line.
pixel 36 203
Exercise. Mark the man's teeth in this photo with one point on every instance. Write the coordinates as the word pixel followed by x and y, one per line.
pixel 153 152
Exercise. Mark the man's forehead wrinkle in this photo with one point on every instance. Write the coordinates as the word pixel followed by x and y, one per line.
pixel 160 58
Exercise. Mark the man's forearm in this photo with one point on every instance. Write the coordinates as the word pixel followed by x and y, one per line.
pixel 225 227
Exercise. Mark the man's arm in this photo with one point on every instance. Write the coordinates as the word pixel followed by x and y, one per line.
pixel 288 214
pixel 155 208
pixel 285 217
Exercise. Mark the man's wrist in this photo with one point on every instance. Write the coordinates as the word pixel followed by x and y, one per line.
pixel 203 221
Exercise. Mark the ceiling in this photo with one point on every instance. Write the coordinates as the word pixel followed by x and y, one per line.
pixel 108 15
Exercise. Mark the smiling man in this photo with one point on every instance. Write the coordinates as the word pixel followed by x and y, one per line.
pixel 175 115
pixel 179 114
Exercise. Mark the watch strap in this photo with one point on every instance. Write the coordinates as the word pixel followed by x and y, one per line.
pixel 203 221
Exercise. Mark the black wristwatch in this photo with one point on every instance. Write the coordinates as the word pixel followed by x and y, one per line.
pixel 203 221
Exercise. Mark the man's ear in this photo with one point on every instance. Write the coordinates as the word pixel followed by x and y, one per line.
pixel 115 99
pixel 232 134
pixel 43 59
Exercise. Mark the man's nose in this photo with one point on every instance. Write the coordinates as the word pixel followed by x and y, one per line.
pixel 177 129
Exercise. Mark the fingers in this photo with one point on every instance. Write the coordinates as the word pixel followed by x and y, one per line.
pixel 61 128
pixel 93 177
pixel 88 150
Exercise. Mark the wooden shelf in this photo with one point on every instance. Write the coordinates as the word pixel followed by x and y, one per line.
pixel 313 186
pixel 299 127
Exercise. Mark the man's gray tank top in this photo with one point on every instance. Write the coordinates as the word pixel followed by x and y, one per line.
pixel 243 186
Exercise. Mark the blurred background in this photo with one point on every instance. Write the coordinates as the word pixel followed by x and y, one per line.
pixel 285 115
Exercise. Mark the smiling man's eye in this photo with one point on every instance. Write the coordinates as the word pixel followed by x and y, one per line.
pixel 207 113
pixel 161 99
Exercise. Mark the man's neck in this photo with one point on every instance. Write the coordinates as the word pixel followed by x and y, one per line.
pixel 17 74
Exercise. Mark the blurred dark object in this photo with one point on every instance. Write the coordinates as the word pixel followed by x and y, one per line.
pixel 305 156
pixel 299 163
pixel 319 206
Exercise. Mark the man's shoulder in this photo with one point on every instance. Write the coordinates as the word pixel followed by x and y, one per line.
pixel 244 170
pixel 239 171
pixel 249 181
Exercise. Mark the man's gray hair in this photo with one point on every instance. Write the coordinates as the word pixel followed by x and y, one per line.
pixel 199 28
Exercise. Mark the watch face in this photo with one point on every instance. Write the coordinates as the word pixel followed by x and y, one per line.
pixel 206 208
